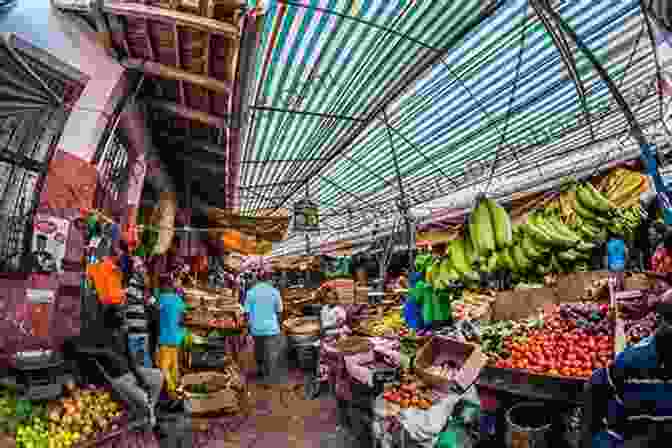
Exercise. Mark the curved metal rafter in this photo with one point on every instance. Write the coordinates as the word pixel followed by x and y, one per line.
pixel 341 17
pixel 396 92
pixel 636 129
pixel 656 59
pixel 567 59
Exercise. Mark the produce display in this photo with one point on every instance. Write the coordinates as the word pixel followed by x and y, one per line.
pixel 638 311
pixel 662 261
pixel 560 238
pixel 83 415
pixel 390 324
pixel 409 395
pixel 447 370
pixel 474 304
pixel 571 341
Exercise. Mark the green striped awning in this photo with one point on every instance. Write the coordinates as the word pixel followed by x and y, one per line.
pixel 449 87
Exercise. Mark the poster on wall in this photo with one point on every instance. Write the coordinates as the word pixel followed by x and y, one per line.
pixel 49 240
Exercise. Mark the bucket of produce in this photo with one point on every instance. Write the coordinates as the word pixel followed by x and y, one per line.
pixel 528 426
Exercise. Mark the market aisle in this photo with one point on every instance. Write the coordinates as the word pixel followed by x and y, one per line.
pixel 280 417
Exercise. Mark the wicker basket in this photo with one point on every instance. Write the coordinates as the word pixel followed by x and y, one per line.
pixel 353 345
pixel 301 326
pixel 226 399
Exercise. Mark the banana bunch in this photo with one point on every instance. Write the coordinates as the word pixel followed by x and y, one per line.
pixel 626 221
pixel 622 187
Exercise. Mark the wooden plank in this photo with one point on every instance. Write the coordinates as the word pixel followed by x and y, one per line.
pixel 191 114
pixel 124 41
pixel 178 63
pixel 170 16
pixel 175 74
pixel 150 47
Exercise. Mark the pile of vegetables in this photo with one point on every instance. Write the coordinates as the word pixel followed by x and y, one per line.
pixel 390 324
pixel 409 395
pixel 571 341
pixel 83 415
pixel 447 370
pixel 638 310
pixel 662 261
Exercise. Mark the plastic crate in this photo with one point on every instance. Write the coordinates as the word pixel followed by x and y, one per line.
pixel 209 360
pixel 307 356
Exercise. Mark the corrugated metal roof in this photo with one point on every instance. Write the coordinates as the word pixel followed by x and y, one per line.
pixel 502 91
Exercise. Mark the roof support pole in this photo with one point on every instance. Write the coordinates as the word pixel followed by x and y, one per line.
pixel 403 201
pixel 648 154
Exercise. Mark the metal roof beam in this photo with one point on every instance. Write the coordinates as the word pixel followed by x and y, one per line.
pixel 603 74
pixel 175 74
pixel 171 17
pixel 415 74
pixel 202 145
pixel 307 113
pixel 191 114
pixel 567 59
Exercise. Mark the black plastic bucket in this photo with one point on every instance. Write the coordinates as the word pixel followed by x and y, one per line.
pixel 528 425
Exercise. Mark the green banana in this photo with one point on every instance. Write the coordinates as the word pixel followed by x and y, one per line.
pixel 537 233
pixel 469 252
pixel 457 255
pixel 501 223
pixel 521 260
pixel 530 249
pixel 599 202
pixel 555 264
pixel 473 232
pixel 507 260
pixel 556 240
pixel 588 214
pixel 562 229
pixel 543 270
pixel 486 234
pixel 585 246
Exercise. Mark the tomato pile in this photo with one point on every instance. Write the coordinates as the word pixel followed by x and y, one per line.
pixel 558 347
pixel 409 396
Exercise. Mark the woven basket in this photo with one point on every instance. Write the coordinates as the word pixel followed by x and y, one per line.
pixel 301 326
pixel 353 345
pixel 164 218
pixel 226 399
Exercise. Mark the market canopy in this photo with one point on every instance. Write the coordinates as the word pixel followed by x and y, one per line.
pixel 352 95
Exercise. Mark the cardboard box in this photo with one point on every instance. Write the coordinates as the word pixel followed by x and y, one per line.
pixel 469 358
pixel 572 287
pixel 517 304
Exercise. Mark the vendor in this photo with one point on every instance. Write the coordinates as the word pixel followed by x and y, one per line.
pixel 630 402
pixel 171 332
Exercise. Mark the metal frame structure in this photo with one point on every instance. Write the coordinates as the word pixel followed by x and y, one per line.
pixel 33 113
pixel 509 157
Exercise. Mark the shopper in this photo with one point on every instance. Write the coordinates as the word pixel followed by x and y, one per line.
pixel 171 333
pixel 139 387
pixel 630 402
pixel 263 307
pixel 334 326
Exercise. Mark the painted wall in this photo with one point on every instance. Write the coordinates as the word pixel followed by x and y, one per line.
pixel 38 23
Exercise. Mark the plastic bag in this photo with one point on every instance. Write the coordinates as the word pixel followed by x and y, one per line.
pixel 107 279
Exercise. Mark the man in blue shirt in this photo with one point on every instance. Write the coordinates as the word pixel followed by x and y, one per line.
pixel 263 306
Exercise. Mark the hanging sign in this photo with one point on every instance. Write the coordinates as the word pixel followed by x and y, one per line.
pixel 306 216
pixel 49 243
